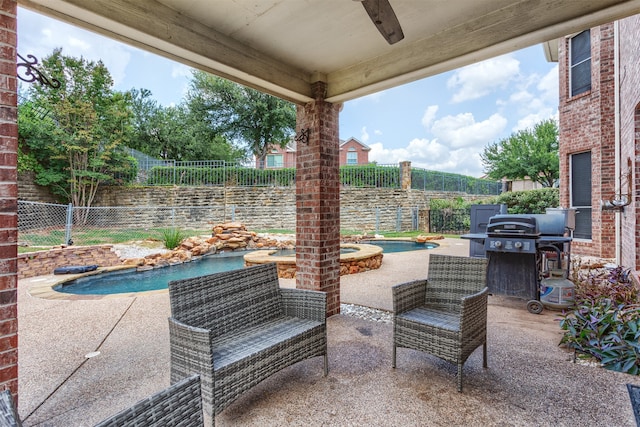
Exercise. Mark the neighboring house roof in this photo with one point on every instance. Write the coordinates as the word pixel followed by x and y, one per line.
pixel 365 147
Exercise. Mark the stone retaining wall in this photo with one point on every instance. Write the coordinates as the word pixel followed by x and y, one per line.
pixel 44 262
pixel 260 208
pixel 29 190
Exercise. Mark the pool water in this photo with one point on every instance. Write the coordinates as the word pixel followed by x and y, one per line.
pixel 131 280
pixel 391 246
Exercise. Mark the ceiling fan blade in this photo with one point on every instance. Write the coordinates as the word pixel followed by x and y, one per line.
pixel 385 19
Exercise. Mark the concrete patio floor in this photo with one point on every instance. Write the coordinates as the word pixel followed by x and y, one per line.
pixel 530 380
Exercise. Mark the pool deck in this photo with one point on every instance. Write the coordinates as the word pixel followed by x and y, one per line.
pixel 530 380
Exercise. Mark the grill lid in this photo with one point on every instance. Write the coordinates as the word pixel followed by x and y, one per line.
pixel 513 225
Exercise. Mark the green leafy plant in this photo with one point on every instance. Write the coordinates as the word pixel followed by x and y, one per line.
pixel 528 201
pixel 605 322
pixel 605 331
pixel 599 284
pixel 172 238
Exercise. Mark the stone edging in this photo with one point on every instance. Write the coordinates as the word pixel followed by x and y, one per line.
pixel 367 257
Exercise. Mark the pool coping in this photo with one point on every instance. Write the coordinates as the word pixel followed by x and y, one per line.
pixel 43 286
pixel 265 256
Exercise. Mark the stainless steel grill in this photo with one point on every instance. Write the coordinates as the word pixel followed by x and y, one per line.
pixel 519 249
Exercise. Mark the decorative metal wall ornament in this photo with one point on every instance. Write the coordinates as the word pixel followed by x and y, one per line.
pixel 27 72
pixel 303 136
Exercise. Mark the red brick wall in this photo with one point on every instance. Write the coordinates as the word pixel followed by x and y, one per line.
pixel 8 199
pixel 288 157
pixel 629 48
pixel 587 124
pixel 318 200
pixel 351 145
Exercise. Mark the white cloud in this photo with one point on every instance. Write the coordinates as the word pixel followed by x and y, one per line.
pixel 180 70
pixel 76 43
pixel 39 36
pixel 430 154
pixel 530 120
pixel 549 86
pixel 478 80
pixel 429 116
pixel 364 135
pixel 463 131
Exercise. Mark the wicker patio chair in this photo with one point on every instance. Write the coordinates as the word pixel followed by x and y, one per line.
pixel 179 405
pixel 237 328
pixel 8 413
pixel 446 314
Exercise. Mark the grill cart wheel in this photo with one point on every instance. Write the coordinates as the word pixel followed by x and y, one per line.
pixel 534 307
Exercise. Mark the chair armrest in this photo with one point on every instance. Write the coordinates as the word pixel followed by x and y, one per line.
pixel 407 296
pixel 304 304
pixel 191 351
pixel 473 311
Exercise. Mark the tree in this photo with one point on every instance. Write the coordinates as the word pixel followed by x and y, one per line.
pixel 256 119
pixel 175 133
pixel 76 132
pixel 527 153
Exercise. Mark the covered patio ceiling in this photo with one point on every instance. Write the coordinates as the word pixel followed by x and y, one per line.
pixel 283 46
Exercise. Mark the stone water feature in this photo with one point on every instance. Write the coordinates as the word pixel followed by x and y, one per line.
pixel 235 237
pixel 364 257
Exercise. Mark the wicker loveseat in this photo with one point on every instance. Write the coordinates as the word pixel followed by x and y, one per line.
pixel 237 328
pixel 446 314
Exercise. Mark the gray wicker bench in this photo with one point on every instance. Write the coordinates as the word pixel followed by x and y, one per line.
pixel 239 327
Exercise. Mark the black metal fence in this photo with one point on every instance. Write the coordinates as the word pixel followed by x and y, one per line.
pixel 450 221
pixel 153 172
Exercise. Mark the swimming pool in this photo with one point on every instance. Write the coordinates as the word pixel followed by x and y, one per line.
pixel 391 246
pixel 131 280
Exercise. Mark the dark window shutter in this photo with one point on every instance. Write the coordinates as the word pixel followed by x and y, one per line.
pixel 581 193
pixel 581 63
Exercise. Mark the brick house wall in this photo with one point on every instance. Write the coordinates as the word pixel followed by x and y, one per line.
pixel 8 199
pixel 629 54
pixel 588 122
pixel 288 153
pixel 352 145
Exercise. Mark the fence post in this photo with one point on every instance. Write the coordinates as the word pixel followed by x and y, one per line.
pixel 69 225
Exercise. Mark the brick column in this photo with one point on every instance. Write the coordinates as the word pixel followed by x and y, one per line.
pixel 8 199
pixel 318 199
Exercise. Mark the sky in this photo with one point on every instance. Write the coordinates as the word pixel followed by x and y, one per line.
pixel 441 123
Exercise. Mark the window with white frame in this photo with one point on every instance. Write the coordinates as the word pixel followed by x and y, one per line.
pixel 580 173
pixel 352 156
pixel 275 161
pixel 580 63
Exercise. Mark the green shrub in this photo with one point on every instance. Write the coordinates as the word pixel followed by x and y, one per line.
pixel 599 284
pixel 605 331
pixel 605 322
pixel 528 201
pixel 172 237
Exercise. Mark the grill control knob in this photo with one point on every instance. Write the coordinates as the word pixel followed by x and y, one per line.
pixel 518 245
pixel 498 244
